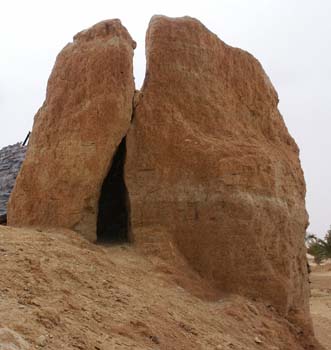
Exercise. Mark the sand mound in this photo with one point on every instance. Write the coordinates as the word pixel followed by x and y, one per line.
pixel 320 303
pixel 325 267
pixel 59 291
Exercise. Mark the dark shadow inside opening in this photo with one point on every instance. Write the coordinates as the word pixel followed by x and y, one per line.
pixel 3 219
pixel 113 215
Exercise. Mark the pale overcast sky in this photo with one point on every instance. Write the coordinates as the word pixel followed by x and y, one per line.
pixel 291 38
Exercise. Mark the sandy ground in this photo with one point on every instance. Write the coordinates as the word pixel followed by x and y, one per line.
pixel 58 291
pixel 320 303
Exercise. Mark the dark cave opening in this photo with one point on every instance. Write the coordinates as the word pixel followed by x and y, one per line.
pixel 113 215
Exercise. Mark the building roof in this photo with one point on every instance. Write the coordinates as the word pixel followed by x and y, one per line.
pixel 11 158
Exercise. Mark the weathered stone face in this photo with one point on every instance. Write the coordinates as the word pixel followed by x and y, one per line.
pixel 210 161
pixel 87 112
pixel 210 166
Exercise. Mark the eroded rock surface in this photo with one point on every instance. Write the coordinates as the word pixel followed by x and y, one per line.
pixel 211 170
pixel 86 113
pixel 210 162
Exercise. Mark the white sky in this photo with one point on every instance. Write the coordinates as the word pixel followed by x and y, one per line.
pixel 291 38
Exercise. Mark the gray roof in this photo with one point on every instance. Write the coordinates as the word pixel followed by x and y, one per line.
pixel 11 158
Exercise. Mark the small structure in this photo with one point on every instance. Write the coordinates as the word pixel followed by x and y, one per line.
pixel 11 158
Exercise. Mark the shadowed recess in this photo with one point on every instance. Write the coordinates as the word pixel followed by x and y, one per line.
pixel 113 215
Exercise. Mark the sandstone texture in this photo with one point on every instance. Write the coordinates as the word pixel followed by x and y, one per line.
pixel 11 158
pixel 211 163
pixel 212 181
pixel 86 113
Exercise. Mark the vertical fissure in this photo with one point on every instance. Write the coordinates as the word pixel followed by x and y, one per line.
pixel 113 222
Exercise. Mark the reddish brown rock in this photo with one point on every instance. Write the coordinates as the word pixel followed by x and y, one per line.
pixel 211 169
pixel 211 163
pixel 86 113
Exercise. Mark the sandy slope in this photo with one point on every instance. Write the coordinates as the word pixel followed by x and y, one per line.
pixel 320 303
pixel 57 291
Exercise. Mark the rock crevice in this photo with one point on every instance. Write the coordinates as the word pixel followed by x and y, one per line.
pixel 113 223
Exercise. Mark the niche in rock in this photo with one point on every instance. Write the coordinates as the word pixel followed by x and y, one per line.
pixel 113 215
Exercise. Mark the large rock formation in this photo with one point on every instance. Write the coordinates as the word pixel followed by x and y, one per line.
pixel 210 166
pixel 11 158
pixel 87 112
pixel 211 163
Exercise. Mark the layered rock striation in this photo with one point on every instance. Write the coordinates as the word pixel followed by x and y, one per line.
pixel 210 161
pixel 207 163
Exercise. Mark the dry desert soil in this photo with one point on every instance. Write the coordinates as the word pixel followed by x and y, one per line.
pixel 320 303
pixel 58 291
